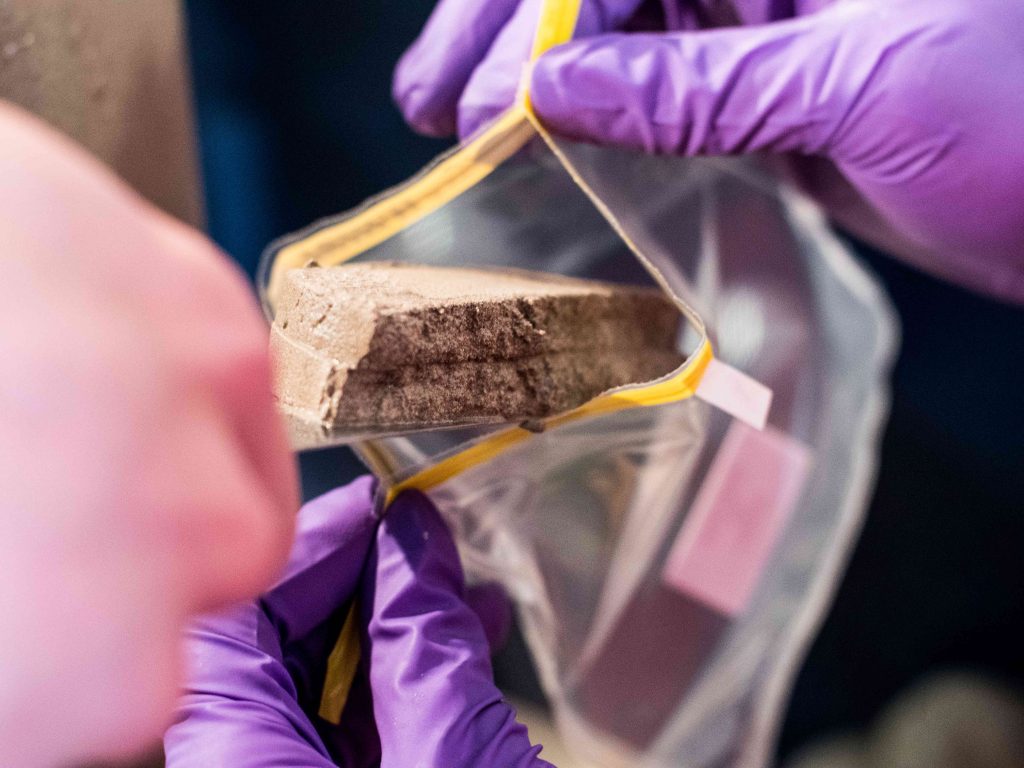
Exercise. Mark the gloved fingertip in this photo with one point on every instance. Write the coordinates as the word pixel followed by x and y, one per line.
pixel 412 529
pixel 420 110
pixel 412 509
pixel 426 107
pixel 356 497
pixel 494 609
pixel 550 94
pixel 334 534
pixel 474 119
pixel 608 90
pixel 410 499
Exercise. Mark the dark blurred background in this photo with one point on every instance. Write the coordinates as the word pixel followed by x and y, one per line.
pixel 296 122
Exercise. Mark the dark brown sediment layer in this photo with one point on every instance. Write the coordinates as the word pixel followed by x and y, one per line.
pixel 386 345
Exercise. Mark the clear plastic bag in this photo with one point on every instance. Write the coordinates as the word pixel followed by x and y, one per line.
pixel 672 564
pixel 669 563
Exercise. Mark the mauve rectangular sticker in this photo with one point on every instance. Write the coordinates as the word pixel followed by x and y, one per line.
pixel 737 516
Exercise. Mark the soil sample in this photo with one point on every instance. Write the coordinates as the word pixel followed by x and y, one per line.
pixel 394 346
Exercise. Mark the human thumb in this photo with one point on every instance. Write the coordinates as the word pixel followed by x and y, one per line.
pixel 785 86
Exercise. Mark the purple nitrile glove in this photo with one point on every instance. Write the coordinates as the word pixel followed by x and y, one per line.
pixel 250 670
pixel 902 117
pixel 434 696
pixel 465 67
pixel 256 672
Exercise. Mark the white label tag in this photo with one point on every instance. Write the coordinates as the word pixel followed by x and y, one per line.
pixel 735 393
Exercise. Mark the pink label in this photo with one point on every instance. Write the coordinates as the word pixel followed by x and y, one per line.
pixel 735 393
pixel 737 516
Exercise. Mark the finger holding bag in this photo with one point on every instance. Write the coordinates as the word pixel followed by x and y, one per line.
pixel 902 119
pixel 426 645
pixel 252 689
pixel 257 671
pixel 465 68
pixel 916 105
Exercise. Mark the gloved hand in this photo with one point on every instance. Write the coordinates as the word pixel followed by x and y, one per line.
pixel 465 67
pixel 423 694
pixel 906 114
pixel 144 474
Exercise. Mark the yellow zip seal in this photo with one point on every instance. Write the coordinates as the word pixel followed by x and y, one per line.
pixel 679 386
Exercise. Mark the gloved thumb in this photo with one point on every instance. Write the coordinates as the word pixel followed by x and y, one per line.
pixel 434 697
pixel 494 609
pixel 785 86
pixel 332 540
